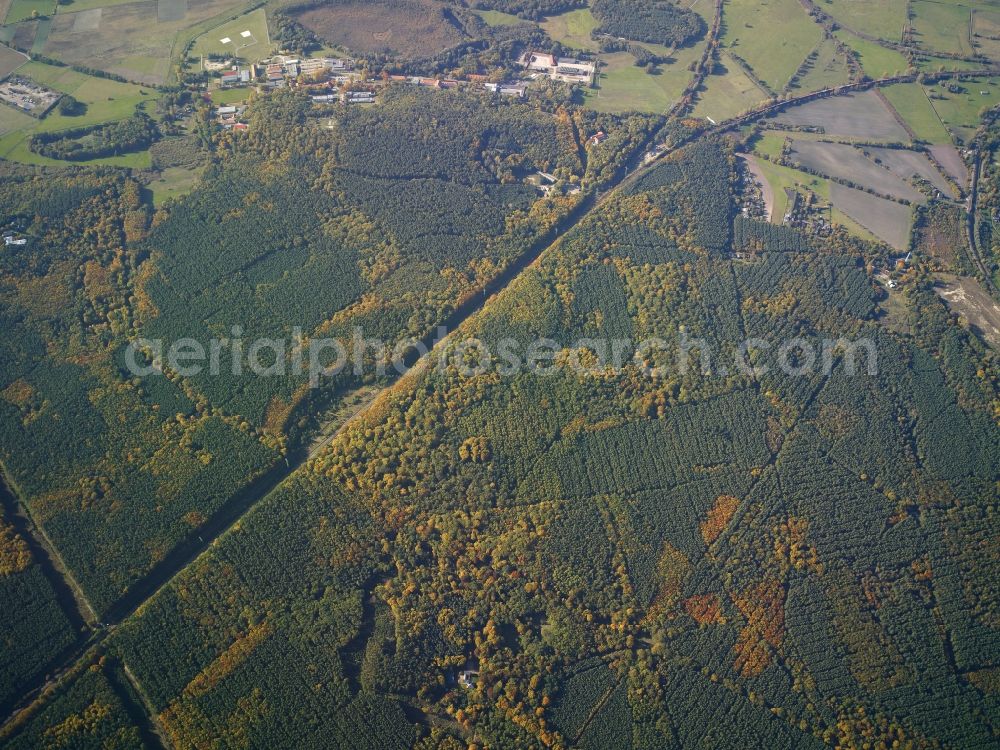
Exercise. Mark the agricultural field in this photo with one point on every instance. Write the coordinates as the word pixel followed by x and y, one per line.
pixel 572 29
pixel 862 116
pixel 887 220
pixel 135 40
pixel 10 60
pixel 848 163
pixel 728 92
pixel 986 31
pixel 828 69
pixel 942 27
pixel 880 18
pixel 951 162
pixel 252 48
pixel 409 28
pixel 911 103
pixel 908 165
pixel 772 36
pixel 877 61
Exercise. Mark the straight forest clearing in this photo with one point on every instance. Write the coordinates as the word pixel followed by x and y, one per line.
pixel 910 101
pixel 135 40
pixel 572 29
pixel 880 18
pixel 856 115
pixel 887 220
pixel 728 92
pixel 773 36
pixel 840 161
pixel 829 69
pixel 10 60
pixel 876 60
pixel 411 28
pixel 942 27
pixel 253 48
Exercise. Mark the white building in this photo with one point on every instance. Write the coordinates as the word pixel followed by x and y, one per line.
pixel 559 68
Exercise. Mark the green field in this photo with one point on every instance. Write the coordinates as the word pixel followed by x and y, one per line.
pixel 876 60
pixel 496 18
pixel 624 87
pixel 827 70
pixel 105 100
pixel 230 96
pixel 173 182
pixel 933 63
pixel 21 10
pixel 728 92
pixel 75 6
pixel 572 29
pixel 962 111
pixel 770 144
pixel 942 27
pixel 910 101
pixel 880 18
pixel 256 47
pixel 773 36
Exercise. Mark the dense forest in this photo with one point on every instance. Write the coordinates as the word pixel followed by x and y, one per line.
pixel 648 21
pixel 688 558
pixel 387 221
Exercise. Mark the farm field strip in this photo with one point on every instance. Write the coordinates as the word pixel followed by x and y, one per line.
pixel 857 115
pixel 848 163
pixel 887 220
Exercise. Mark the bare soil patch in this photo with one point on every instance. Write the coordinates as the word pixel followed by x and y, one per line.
pixel 952 163
pixel 887 220
pixel 967 297
pixel 906 164
pixel 862 116
pixel 849 163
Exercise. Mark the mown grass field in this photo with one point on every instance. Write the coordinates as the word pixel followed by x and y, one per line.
pixel 880 18
pixel 728 92
pixel 876 60
pixel 942 27
pixel 572 29
pixel 223 97
pixel 773 36
pixel 255 48
pixel 910 101
pixel 625 87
